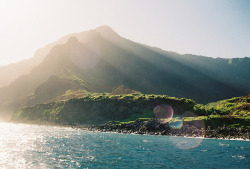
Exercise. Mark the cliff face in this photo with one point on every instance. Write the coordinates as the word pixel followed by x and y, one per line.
pixel 100 109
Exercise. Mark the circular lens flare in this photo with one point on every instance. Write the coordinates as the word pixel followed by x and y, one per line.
pixel 163 113
pixel 185 143
pixel 192 126
pixel 176 122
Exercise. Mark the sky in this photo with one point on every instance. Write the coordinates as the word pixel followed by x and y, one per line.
pixel 213 28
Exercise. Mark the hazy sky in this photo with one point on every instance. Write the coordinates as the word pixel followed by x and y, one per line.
pixel 215 28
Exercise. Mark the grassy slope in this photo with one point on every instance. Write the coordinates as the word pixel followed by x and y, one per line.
pixel 100 107
pixel 237 106
pixel 82 107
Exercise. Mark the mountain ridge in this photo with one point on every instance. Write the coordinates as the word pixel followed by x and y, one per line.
pixel 103 60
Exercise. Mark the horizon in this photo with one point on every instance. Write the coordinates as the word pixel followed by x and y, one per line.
pixel 183 27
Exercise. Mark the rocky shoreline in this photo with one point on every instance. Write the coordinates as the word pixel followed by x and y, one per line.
pixel 153 127
pixel 188 129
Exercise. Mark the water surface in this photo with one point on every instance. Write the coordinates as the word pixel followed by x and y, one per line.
pixel 33 146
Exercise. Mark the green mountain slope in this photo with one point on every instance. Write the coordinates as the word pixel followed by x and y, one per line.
pixel 100 61
pixel 100 108
pixel 81 107
pixel 237 106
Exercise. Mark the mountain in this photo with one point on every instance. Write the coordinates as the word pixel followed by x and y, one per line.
pixel 11 72
pixel 100 61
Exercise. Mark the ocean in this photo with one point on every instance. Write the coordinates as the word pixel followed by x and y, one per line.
pixel 34 146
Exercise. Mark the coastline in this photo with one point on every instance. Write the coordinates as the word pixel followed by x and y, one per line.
pixel 153 127
pixel 187 130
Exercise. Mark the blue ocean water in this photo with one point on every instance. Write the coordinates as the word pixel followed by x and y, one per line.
pixel 33 146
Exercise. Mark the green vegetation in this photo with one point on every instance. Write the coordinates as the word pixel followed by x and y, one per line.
pixel 96 108
pixel 237 106
pixel 100 107
pixel 71 77
pixel 146 115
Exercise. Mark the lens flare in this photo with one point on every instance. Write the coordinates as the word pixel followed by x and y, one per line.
pixel 185 143
pixel 194 123
pixel 192 126
pixel 176 122
pixel 163 113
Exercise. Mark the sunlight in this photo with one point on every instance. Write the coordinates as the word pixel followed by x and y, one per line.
pixel 7 8
pixel 12 140
pixel 124 84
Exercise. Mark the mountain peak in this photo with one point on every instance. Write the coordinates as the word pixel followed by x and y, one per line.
pixel 104 28
pixel 108 33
